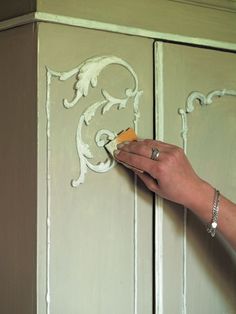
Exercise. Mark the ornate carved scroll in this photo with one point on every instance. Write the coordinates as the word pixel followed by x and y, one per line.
pixel 87 74
pixel 204 101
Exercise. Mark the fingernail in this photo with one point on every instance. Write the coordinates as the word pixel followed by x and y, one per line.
pixel 116 152
pixel 123 144
pixel 120 145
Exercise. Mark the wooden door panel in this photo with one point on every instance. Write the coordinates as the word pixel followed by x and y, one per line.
pixel 209 131
pixel 99 232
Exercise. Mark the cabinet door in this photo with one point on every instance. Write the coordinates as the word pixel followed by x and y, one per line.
pixel 199 272
pixel 94 217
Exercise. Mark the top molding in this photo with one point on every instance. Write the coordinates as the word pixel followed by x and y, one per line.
pixel 226 5
pixel 204 19
pixel 142 32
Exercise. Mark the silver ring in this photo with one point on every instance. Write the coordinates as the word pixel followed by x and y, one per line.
pixel 155 153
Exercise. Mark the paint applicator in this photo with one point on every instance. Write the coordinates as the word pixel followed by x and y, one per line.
pixel 124 136
pixel 127 135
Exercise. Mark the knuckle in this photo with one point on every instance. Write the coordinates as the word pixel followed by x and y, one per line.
pixel 179 150
pixel 159 170
pixel 152 186
pixel 175 154
pixel 143 150
pixel 162 170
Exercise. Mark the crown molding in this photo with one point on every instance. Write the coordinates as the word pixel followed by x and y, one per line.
pixel 91 24
pixel 17 21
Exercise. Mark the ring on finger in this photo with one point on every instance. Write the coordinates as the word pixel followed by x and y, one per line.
pixel 155 153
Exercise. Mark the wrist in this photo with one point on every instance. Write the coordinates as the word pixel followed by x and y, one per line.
pixel 201 200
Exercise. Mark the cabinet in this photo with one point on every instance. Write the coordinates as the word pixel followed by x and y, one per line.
pixel 80 234
pixel 99 250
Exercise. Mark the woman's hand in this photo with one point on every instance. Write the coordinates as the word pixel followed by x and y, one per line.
pixel 170 176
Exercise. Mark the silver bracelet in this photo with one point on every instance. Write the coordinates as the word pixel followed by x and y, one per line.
pixel 211 227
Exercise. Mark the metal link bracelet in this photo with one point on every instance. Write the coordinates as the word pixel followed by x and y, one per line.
pixel 211 227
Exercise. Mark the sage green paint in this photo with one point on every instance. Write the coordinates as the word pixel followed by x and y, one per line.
pixel 209 264
pixel 162 16
pixel 92 226
pixel 191 19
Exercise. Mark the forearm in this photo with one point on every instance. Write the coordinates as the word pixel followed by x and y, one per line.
pixel 172 177
pixel 201 204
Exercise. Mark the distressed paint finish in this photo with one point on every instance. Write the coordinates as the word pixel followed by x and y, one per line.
pixel 221 43
pixel 107 245
pixel 204 101
pixel 87 76
pixel 103 229
pixel 163 16
pixel 158 207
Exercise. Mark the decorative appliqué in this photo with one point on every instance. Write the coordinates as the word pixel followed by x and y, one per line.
pixel 204 101
pixel 87 74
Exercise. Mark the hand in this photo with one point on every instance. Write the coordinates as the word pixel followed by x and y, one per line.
pixel 170 176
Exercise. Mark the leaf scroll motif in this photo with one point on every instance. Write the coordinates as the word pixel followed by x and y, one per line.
pixel 204 100
pixel 87 74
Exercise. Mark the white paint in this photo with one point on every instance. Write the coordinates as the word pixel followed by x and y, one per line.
pixel 87 76
pixel 135 245
pixel 184 291
pixel 159 133
pixel 135 121
pixel 109 136
pixel 48 218
pixel 67 20
pixel 204 101
pixel 184 129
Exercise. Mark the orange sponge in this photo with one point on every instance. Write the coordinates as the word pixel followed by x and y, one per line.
pixel 124 136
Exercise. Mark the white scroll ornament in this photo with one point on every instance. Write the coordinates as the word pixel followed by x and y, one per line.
pixel 204 101
pixel 87 75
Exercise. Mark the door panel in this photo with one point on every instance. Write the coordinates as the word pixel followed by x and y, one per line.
pixel 208 265
pixel 95 218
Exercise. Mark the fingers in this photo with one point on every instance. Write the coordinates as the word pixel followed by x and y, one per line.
pixel 169 175
pixel 150 183
pixel 144 147
pixel 137 161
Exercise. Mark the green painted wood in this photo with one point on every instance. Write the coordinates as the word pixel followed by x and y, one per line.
pixel 208 276
pixel 186 18
pixel 100 258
